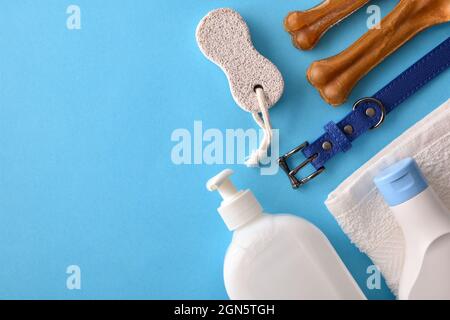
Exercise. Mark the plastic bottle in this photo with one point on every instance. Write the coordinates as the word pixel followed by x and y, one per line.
pixel 425 223
pixel 277 256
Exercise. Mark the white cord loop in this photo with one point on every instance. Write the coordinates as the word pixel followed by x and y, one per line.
pixel 264 122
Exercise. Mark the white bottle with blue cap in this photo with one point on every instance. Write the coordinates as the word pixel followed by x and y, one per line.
pixel 425 222
pixel 277 256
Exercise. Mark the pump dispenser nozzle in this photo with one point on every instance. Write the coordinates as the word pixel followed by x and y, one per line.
pixel 223 184
pixel 238 207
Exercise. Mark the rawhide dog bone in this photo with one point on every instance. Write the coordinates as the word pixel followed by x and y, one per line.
pixel 307 27
pixel 224 38
pixel 336 76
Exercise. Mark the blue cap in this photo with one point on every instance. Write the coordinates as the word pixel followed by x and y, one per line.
pixel 400 182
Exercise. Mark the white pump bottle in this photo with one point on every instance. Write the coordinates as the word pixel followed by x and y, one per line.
pixel 277 256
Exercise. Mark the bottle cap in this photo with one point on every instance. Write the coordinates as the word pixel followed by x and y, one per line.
pixel 237 207
pixel 401 182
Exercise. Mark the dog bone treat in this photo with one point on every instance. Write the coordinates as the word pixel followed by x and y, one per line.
pixel 336 76
pixel 224 38
pixel 307 27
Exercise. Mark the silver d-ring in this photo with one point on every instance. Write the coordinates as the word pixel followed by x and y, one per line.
pixel 376 101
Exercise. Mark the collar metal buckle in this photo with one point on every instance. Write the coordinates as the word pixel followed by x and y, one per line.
pixel 296 182
pixel 377 102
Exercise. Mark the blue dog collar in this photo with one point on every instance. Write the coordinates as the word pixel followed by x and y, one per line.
pixel 367 114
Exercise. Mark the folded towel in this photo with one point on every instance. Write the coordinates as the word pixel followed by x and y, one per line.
pixel 362 213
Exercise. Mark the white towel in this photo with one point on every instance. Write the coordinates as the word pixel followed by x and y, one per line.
pixel 362 213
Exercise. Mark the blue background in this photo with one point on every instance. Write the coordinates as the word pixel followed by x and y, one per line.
pixel 86 117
